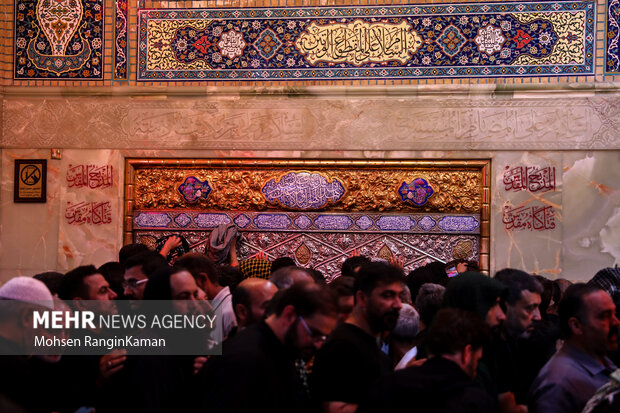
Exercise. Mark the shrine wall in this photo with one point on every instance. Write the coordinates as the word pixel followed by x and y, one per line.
pixel 553 141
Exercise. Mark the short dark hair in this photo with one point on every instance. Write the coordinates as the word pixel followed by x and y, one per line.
pixel 196 263
pixel 281 263
pixel 150 261
pixel 573 304
pixel 350 264
pixel 453 329
pixel 72 284
pixel 343 286
pixel 373 274
pixel 517 281
pixel 131 249
pixel 51 279
pixel 307 298
pixel 230 276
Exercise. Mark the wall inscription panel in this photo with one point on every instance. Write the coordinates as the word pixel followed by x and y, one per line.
pixel 316 212
pixel 367 42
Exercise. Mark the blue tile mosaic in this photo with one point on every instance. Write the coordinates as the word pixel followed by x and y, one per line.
pixel 481 39
pixel 211 220
pixel 454 223
pixel 417 192
pixel 395 223
pixel 272 221
pixel 303 190
pixel 153 220
pixel 364 222
pixel 333 222
pixel 612 38
pixel 193 189
pixel 427 223
pixel 242 221
pixel 308 221
pixel 182 220
pixel 303 222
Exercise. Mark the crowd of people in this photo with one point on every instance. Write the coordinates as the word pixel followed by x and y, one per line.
pixel 373 339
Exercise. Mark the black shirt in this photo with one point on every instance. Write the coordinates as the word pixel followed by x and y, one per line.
pixel 347 365
pixel 255 373
pixel 437 386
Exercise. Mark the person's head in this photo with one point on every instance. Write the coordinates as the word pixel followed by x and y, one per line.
pixel 377 298
pixel 559 287
pixel 546 296
pixel 428 274
pixel 588 319
pixel 428 302
pixel 459 336
pixel 204 271
pixel 19 296
pixel 51 279
pixel 131 249
pixel 344 289
pixel 85 283
pixel 250 300
pixel 473 291
pixel 230 276
pixel 281 263
pixel 113 272
pixel 138 268
pixel 351 265
pixel 408 325
pixel 522 300
pixel 285 277
pixel 303 316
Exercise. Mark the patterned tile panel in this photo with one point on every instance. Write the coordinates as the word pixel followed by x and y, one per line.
pixel 612 38
pixel 309 222
pixel 60 39
pixel 120 39
pixel 326 251
pixel 368 42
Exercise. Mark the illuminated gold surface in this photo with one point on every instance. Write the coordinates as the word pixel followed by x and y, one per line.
pixel 457 189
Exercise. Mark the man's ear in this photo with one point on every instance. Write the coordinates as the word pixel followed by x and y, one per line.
pixel 202 279
pixel 361 298
pixel 467 354
pixel 288 316
pixel 241 312
pixel 575 326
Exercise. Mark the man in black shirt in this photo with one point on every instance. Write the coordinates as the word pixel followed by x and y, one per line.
pixel 444 382
pixel 256 372
pixel 346 367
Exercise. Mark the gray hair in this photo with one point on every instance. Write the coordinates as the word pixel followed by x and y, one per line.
pixel 408 324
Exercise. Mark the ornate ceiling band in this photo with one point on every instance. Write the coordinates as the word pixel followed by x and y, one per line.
pixel 367 42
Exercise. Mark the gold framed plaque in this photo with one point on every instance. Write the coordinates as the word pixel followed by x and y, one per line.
pixel 30 180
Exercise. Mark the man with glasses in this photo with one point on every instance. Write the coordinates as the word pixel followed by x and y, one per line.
pixel 256 371
pixel 351 360
pixel 138 269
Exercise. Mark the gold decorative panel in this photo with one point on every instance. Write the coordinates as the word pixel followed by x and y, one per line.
pixel 316 212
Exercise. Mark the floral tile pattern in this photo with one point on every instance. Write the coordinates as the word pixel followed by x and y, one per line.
pixel 368 42
pixel 612 45
pixel 120 39
pixel 58 39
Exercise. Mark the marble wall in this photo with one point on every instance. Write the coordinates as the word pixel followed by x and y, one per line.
pixel 574 228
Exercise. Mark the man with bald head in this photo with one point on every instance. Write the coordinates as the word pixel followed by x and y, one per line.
pixel 250 299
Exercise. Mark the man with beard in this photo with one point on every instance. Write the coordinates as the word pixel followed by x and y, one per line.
pixel 250 300
pixel 515 357
pixel 346 367
pixel 256 371
pixel 589 325
pixel 444 382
